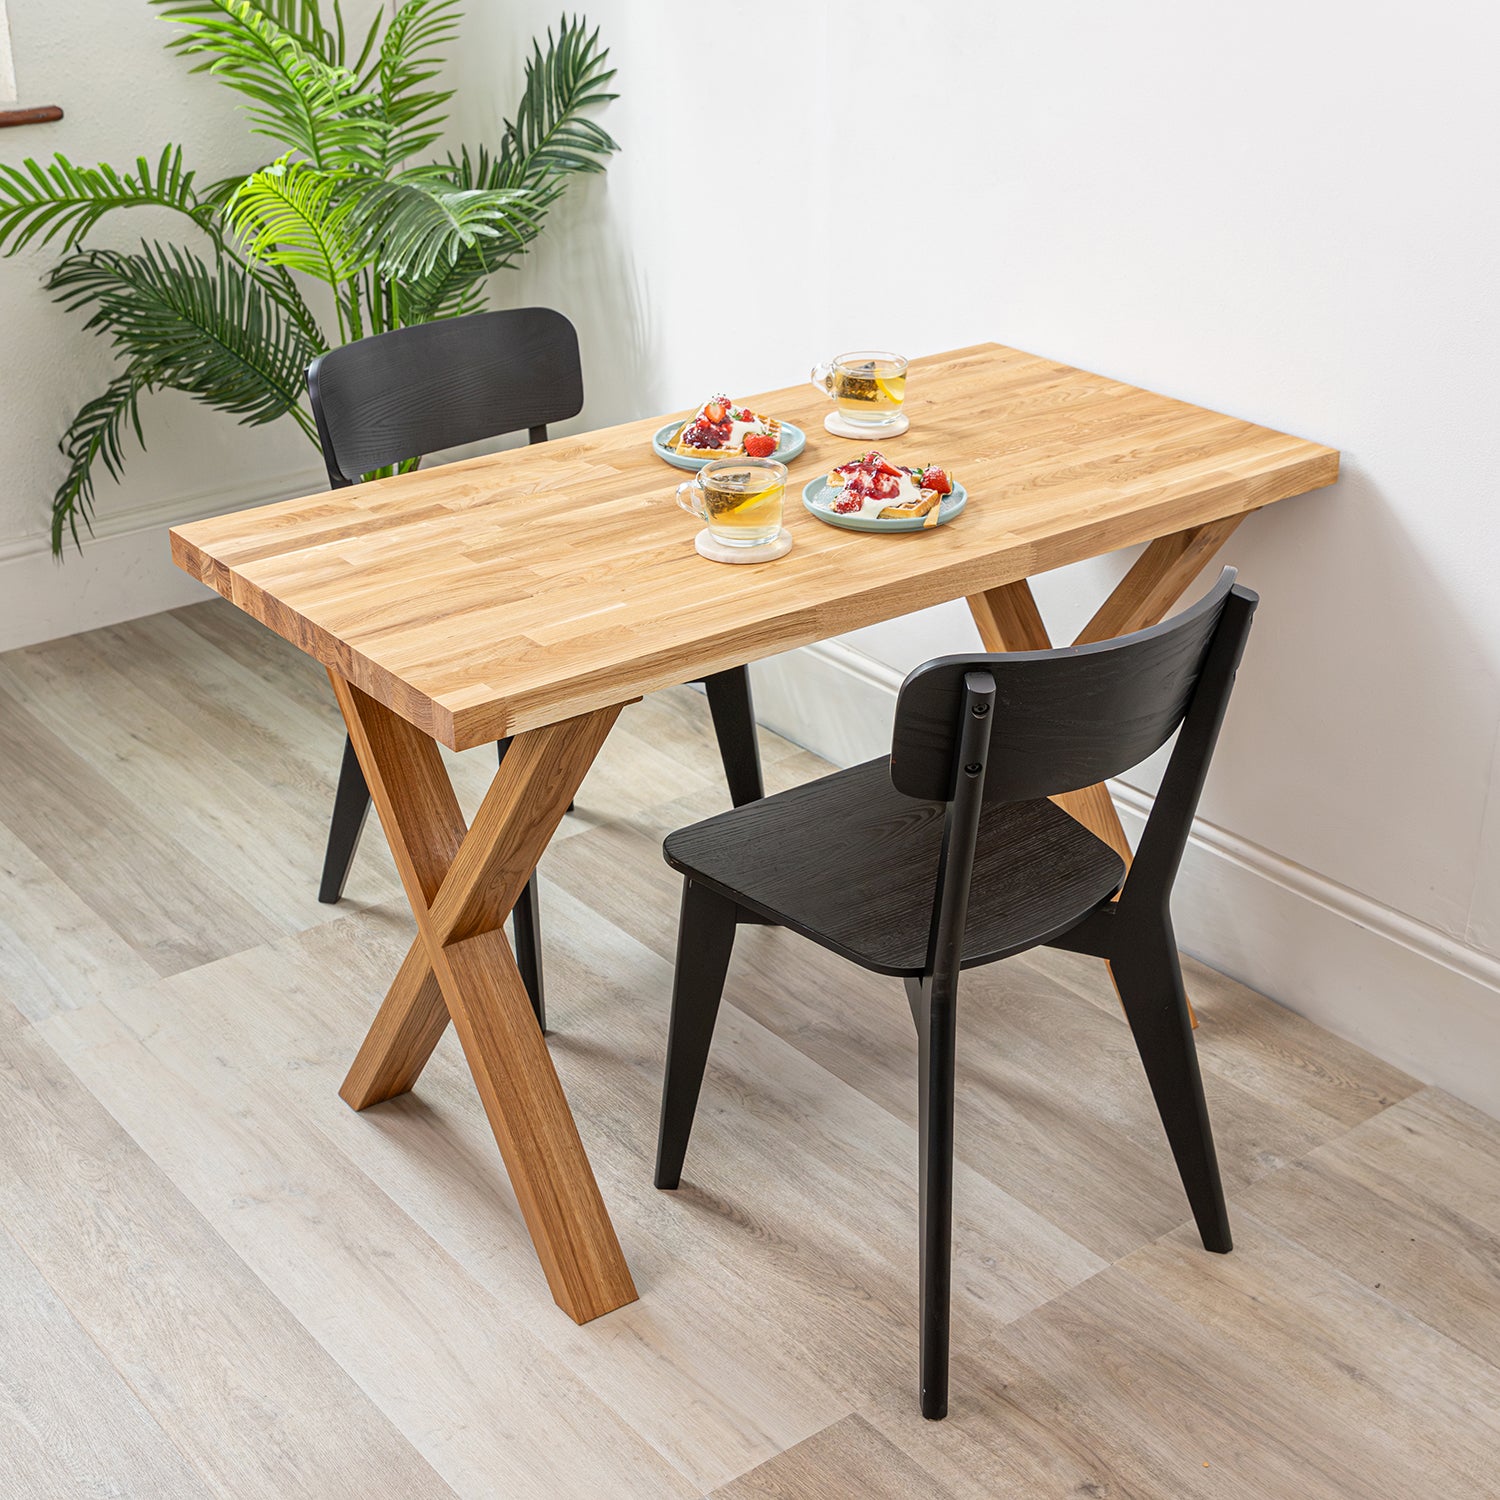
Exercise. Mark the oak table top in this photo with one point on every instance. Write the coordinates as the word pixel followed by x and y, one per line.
pixel 482 598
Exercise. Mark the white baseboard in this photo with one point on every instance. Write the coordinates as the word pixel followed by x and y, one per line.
pixel 1411 994
pixel 125 569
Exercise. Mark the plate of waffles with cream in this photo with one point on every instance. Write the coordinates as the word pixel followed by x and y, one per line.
pixel 870 493
pixel 722 428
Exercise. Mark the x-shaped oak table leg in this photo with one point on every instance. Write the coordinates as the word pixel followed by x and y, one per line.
pixel 1009 620
pixel 462 883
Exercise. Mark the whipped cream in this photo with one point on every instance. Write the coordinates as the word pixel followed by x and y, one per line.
pixel 908 492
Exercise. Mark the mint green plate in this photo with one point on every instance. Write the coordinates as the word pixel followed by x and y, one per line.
pixel 793 441
pixel 818 498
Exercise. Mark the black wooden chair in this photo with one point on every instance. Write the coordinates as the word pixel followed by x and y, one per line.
pixel 948 855
pixel 386 399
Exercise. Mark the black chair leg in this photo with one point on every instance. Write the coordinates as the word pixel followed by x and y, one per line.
pixel 734 726
pixel 351 805
pixel 1148 976
pixel 936 1038
pixel 705 939
pixel 526 926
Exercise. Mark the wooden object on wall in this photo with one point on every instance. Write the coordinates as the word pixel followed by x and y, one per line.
pixel 41 114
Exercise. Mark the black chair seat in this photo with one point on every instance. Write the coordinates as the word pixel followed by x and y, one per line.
pixel 852 863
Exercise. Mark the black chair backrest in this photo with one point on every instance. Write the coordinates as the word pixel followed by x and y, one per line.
pixel 1063 719
pixel 437 385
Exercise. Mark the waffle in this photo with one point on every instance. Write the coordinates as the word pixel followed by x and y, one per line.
pixel 925 503
pixel 687 451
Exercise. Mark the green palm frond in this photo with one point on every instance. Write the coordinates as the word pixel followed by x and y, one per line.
pixel 408 60
pixel 550 133
pixel 304 20
pixel 300 97
pixel 455 288
pixel 291 214
pixel 548 140
pixel 65 200
pixel 211 331
pixel 420 223
pixel 96 432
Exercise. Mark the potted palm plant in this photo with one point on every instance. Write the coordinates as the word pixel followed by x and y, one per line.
pixel 348 201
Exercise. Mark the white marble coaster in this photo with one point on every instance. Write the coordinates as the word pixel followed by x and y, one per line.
pixel 766 552
pixel 840 428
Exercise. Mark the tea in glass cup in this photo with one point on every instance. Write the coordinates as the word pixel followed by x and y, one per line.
pixel 868 386
pixel 739 498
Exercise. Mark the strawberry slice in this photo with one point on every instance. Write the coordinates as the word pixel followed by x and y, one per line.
pixel 716 411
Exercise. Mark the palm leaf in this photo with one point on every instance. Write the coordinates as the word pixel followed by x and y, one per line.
pixel 61 199
pixel 291 214
pixel 455 288
pixel 407 60
pixel 96 432
pixel 548 140
pixel 301 98
pixel 419 223
pixel 209 330
pixel 549 133
pixel 303 19
pixel 214 332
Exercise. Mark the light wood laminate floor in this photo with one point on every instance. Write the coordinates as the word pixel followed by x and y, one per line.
pixel 215 1279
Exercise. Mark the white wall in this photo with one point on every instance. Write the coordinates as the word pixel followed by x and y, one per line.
pixel 1283 211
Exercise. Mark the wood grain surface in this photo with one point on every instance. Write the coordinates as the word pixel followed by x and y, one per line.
pixel 850 862
pixel 481 598
pixel 461 884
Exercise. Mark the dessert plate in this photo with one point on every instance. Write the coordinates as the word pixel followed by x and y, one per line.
pixel 793 441
pixel 818 497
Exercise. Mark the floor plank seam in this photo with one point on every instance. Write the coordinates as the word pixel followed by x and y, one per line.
pixel 230 1249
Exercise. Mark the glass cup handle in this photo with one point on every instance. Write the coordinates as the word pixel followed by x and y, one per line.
pixel 822 377
pixel 692 501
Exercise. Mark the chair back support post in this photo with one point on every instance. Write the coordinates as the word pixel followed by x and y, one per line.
pixel 960 833
pixel 1164 839
pixel 336 480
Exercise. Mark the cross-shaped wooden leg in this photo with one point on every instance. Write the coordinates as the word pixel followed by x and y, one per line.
pixel 1009 620
pixel 461 884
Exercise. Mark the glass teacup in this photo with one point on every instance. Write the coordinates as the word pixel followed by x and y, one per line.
pixel 868 386
pixel 739 498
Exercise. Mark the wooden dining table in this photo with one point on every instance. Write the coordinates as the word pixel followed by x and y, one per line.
pixel 535 592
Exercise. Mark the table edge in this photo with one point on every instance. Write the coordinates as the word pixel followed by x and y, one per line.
pixel 466 728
